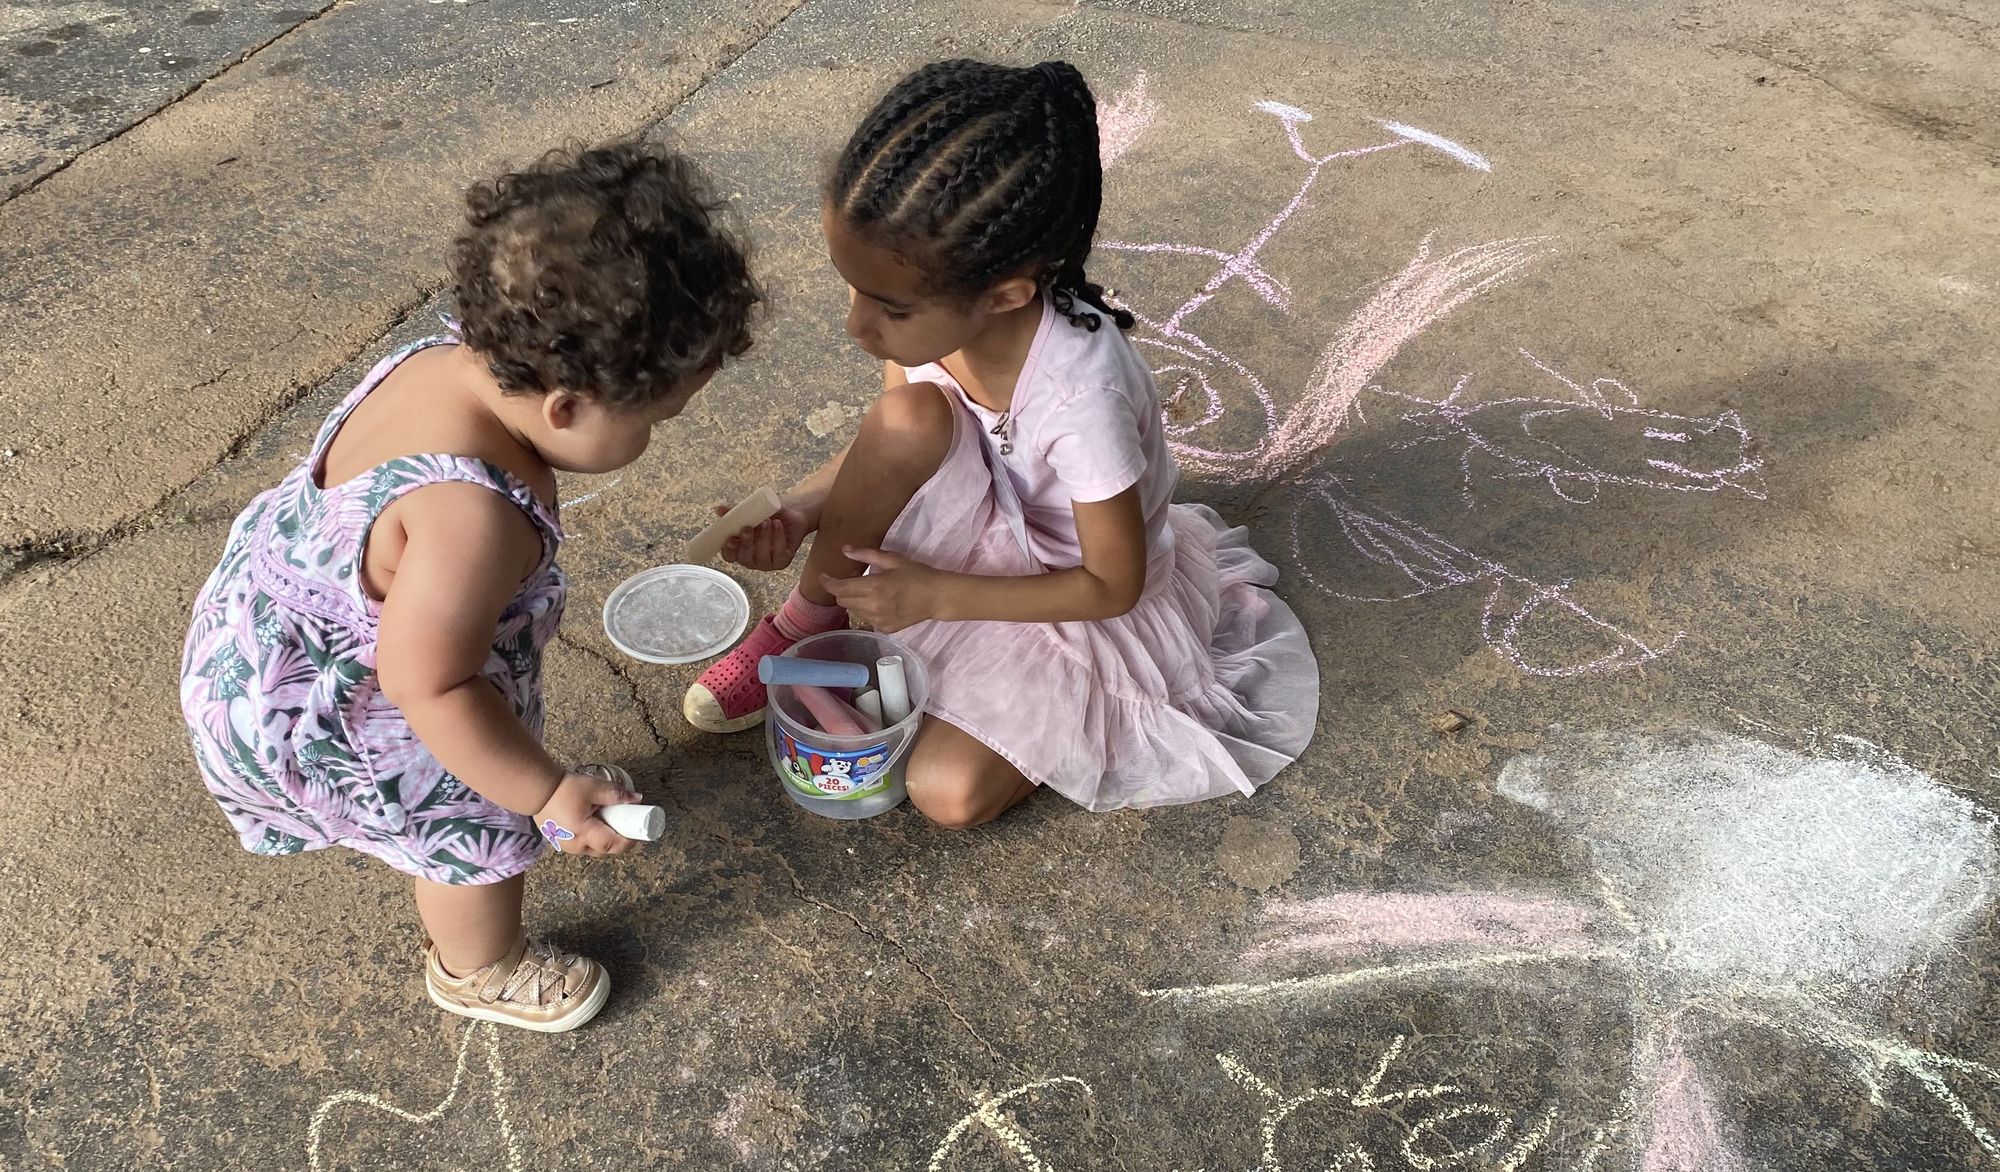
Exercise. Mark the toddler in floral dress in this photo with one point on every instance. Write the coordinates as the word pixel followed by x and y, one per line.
pixel 365 665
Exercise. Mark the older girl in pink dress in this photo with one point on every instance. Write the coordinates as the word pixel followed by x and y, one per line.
pixel 1007 506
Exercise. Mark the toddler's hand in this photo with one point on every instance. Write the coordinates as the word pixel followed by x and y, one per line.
pixel 901 592
pixel 569 819
pixel 770 545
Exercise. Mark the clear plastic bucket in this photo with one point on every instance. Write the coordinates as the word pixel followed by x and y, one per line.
pixel 844 776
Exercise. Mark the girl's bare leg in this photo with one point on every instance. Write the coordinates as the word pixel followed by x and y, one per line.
pixel 959 783
pixel 471 926
pixel 903 439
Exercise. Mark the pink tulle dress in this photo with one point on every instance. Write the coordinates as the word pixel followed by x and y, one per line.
pixel 1208 687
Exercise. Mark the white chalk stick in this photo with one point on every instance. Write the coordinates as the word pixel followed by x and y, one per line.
pixel 645 823
pixel 870 704
pixel 755 509
pixel 895 690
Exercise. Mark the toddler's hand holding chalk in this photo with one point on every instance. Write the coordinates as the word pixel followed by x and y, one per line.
pixel 569 819
pixel 637 822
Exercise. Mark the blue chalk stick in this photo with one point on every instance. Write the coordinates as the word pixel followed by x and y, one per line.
pixel 818 673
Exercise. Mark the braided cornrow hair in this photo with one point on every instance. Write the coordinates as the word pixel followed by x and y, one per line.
pixel 977 172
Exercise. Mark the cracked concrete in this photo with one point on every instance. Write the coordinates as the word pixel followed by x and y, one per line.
pixel 233 198
pixel 1730 236
pixel 58 56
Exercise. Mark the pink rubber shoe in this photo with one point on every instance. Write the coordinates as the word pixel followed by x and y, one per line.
pixel 728 697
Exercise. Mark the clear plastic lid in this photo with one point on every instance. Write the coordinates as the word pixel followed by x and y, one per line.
pixel 676 614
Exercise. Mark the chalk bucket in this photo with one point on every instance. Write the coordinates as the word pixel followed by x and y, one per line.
pixel 843 776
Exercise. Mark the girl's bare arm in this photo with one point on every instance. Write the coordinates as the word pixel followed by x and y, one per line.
pixel 1109 583
pixel 466 553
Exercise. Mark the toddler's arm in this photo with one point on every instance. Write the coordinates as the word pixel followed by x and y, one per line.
pixel 466 551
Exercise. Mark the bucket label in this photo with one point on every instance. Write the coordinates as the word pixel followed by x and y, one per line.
pixel 832 773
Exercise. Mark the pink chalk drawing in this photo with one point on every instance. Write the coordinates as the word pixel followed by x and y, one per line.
pixel 1424 292
pixel 1201 384
pixel 1685 1133
pixel 1122 120
pixel 1433 563
pixel 1356 925
pixel 1736 886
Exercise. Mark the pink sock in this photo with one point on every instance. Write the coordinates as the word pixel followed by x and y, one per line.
pixel 801 616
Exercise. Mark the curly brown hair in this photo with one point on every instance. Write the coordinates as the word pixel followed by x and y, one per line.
pixel 603 271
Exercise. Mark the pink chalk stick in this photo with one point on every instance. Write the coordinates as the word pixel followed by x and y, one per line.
pixel 833 715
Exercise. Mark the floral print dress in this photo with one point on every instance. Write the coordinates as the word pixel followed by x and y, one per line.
pixel 293 735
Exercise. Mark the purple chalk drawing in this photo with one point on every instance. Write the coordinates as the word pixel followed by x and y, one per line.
pixel 1515 436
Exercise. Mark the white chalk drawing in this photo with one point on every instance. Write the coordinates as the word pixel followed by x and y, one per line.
pixel 1738 885
pixel 1436 1120
pixel 1418 1145
pixel 1202 385
pixel 988 1117
pixel 487 1035
pixel 593 494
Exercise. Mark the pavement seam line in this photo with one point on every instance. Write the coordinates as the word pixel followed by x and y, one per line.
pixel 226 67
pixel 647 127
pixel 292 397
pixel 69 548
pixel 1935 128
pixel 903 955
pixel 632 686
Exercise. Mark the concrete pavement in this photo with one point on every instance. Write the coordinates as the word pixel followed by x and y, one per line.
pixel 1712 451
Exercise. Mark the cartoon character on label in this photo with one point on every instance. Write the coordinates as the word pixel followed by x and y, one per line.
pixel 835 776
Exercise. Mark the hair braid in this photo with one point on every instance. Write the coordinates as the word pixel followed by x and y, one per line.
pixel 977 172
pixel 1074 108
pixel 894 115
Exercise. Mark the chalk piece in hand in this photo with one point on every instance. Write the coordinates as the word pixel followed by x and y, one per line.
pixel 645 823
pixel 755 509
